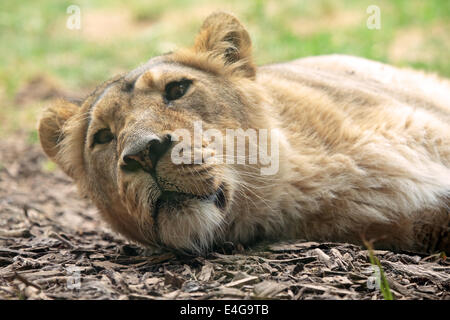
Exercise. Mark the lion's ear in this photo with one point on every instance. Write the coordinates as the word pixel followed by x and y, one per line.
pixel 224 36
pixel 51 125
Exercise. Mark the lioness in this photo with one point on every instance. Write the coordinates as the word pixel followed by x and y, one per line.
pixel 364 149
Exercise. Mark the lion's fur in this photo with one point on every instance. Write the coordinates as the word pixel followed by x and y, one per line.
pixel 364 149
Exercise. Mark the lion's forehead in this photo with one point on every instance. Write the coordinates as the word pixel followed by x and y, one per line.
pixel 125 83
pixel 160 68
pixel 151 64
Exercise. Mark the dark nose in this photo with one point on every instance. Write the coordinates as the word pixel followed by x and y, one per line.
pixel 145 152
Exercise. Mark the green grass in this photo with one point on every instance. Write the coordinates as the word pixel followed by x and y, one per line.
pixel 35 40
pixel 384 284
pixel 49 166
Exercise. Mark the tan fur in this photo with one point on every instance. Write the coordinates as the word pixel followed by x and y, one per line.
pixel 364 149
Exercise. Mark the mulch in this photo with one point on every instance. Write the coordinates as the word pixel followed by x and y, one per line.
pixel 53 245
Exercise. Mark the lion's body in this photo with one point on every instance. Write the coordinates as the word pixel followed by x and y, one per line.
pixel 364 149
pixel 368 150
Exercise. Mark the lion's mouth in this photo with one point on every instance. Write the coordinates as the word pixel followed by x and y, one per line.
pixel 176 200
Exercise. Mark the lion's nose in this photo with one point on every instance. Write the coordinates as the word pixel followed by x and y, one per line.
pixel 145 153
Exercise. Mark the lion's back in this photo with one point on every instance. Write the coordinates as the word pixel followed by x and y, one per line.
pixel 342 75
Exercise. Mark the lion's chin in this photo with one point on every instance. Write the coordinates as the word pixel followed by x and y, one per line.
pixel 192 225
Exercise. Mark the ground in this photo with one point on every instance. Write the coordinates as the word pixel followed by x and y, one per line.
pixel 53 245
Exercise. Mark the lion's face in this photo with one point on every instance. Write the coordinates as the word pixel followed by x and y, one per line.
pixel 121 145
pixel 130 145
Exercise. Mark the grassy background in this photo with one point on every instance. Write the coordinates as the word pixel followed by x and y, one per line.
pixel 39 54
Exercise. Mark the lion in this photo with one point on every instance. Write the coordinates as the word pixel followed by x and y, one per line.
pixel 363 149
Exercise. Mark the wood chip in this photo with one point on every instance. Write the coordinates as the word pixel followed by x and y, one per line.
pixel 241 282
pixel 20 233
pixel 107 265
pixel 323 257
pixel 206 273
pixel 325 288
pixel 173 279
pixel 290 247
pixel 268 289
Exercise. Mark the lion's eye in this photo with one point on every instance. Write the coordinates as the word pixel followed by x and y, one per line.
pixel 176 89
pixel 103 136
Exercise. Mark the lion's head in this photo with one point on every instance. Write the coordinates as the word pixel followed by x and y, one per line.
pixel 119 144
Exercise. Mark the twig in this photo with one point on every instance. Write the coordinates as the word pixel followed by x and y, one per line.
pixel 26 281
pixel 60 238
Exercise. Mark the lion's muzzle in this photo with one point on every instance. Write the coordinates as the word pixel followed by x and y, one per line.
pixel 145 152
